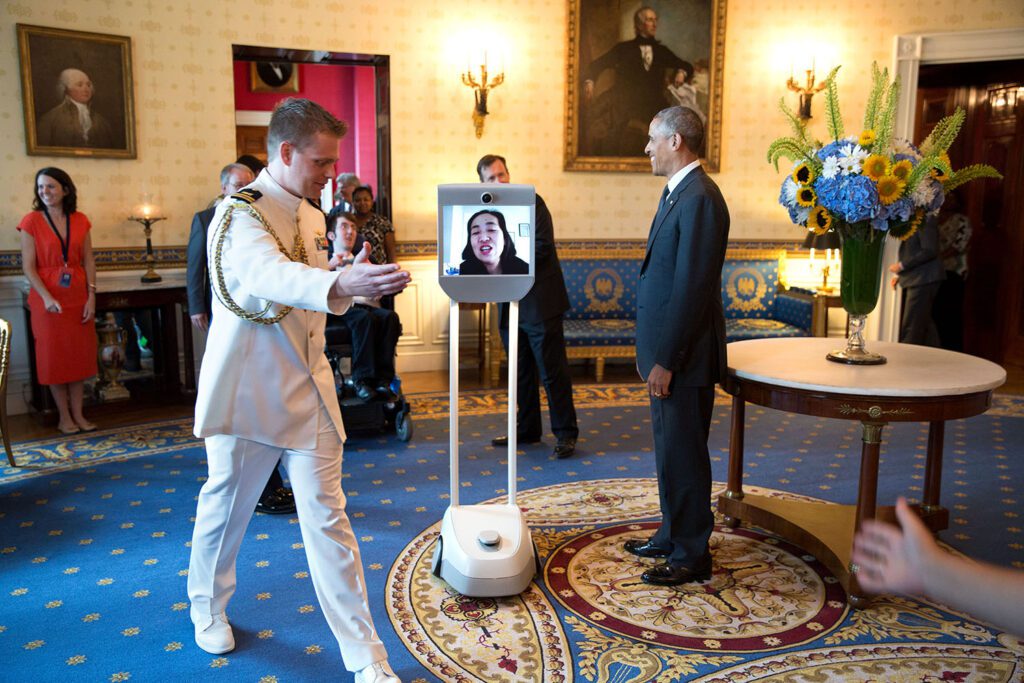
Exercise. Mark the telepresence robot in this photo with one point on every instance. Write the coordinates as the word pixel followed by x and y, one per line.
pixel 484 550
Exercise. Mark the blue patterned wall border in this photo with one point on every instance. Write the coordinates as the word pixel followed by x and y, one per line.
pixel 429 248
pixel 129 258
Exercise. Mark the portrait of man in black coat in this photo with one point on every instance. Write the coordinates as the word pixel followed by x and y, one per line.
pixel 640 69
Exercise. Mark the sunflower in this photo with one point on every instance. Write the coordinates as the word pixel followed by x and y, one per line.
pixel 803 174
pixel 901 169
pixel 820 220
pixel 937 172
pixel 867 138
pixel 889 189
pixel 875 167
pixel 915 223
pixel 806 196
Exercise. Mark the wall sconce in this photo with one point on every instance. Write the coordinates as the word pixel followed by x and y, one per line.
pixel 482 83
pixel 806 91
pixel 147 213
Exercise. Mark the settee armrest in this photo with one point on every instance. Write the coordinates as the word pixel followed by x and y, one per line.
pixel 795 307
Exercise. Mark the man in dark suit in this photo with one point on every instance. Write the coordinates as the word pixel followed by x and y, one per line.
pixel 680 345
pixel 638 93
pixel 233 178
pixel 276 499
pixel 541 337
pixel 920 273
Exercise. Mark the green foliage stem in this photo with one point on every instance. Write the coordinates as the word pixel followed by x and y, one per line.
pixel 969 173
pixel 832 115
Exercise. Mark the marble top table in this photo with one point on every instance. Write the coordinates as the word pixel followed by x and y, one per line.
pixel 917 384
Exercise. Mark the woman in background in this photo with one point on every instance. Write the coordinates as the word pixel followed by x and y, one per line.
pixel 376 229
pixel 57 258
pixel 489 248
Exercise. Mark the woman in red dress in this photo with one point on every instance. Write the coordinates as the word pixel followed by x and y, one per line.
pixel 56 255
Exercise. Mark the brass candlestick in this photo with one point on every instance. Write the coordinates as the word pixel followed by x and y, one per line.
pixel 147 221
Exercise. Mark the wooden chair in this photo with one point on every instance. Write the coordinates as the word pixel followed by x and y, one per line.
pixel 5 367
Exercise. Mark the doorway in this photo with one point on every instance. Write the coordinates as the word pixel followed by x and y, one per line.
pixel 354 87
pixel 993 133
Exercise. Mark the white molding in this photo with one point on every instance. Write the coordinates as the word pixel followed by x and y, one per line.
pixel 252 118
pixel 910 51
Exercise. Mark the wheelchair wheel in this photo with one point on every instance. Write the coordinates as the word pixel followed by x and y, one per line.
pixel 403 424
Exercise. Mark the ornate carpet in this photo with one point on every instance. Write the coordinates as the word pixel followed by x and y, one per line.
pixel 94 535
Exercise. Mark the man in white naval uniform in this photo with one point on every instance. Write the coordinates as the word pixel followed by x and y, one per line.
pixel 266 389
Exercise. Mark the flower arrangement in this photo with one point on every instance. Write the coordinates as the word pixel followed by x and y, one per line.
pixel 872 183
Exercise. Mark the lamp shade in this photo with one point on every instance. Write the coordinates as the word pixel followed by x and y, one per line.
pixel 830 240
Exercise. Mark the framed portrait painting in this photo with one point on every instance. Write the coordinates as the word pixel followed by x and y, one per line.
pixel 628 60
pixel 77 93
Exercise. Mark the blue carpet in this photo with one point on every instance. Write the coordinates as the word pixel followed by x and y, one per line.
pixel 94 540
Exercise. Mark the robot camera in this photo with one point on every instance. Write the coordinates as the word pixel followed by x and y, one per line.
pixel 487 198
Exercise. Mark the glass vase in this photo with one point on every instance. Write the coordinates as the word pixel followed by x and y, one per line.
pixel 860 284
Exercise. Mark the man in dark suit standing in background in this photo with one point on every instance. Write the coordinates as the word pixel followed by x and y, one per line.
pixel 541 337
pixel 277 499
pixel 920 273
pixel 680 345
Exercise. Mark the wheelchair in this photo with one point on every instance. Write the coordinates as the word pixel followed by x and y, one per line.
pixel 383 414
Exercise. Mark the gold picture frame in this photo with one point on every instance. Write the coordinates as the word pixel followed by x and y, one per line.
pixel 77 93
pixel 607 118
pixel 274 76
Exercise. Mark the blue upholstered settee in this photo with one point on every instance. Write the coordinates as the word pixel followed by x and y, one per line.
pixel 602 290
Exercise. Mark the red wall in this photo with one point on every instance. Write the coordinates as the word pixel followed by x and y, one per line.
pixel 345 91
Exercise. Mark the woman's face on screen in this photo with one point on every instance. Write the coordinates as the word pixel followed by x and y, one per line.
pixel 486 239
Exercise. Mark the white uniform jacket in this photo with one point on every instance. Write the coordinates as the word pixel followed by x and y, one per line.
pixel 264 382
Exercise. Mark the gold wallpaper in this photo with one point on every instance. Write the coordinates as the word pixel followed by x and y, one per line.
pixel 185 119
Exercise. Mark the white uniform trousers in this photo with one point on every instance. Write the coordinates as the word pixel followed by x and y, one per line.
pixel 238 471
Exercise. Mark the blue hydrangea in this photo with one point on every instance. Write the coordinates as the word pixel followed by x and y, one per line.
pixel 853 198
pixel 832 149
pixel 900 211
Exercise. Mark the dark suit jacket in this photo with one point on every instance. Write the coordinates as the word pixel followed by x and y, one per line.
pixel 680 322
pixel 548 297
pixel 638 93
pixel 197 275
pixel 919 255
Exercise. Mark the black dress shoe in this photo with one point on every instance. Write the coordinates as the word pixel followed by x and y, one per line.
pixel 564 448
pixel 503 440
pixel 646 549
pixel 280 502
pixel 670 574
pixel 365 391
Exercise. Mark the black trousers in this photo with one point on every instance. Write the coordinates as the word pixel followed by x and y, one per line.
pixel 542 352
pixel 375 333
pixel 948 312
pixel 681 425
pixel 916 324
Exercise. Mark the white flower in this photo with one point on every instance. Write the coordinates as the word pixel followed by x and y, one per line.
pixel 830 169
pixel 854 151
pixel 790 188
pixel 802 214
pixel 923 194
pixel 849 165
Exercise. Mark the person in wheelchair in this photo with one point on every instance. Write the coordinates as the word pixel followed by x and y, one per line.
pixel 375 330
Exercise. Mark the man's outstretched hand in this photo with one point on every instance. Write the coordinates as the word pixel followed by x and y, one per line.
pixel 367 279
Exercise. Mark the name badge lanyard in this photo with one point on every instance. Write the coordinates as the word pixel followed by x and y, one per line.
pixel 65 245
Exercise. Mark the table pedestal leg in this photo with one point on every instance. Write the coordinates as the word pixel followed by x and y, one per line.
pixel 734 488
pixel 867 494
pixel 933 468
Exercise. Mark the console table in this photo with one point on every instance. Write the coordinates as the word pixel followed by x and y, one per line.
pixel 918 384
pixel 117 291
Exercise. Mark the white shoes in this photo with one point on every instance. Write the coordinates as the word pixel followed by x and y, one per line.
pixel 378 672
pixel 213 633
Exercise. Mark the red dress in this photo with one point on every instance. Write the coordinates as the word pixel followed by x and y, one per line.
pixel 65 346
